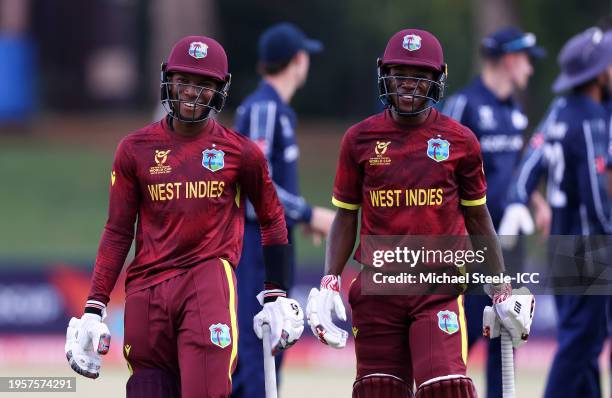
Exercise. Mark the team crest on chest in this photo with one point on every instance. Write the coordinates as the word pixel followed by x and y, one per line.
pixel 448 322
pixel 213 159
pixel 220 335
pixel 161 157
pixel 438 149
pixel 380 149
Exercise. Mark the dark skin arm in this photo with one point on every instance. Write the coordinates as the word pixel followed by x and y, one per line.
pixel 341 241
pixel 480 227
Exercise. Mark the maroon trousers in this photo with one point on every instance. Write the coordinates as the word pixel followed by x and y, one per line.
pixel 412 337
pixel 187 327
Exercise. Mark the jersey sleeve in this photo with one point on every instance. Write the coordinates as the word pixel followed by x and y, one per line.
pixel 531 169
pixel 349 180
pixel 118 232
pixel 261 122
pixel 455 106
pixel 258 186
pixel 591 178
pixel 470 174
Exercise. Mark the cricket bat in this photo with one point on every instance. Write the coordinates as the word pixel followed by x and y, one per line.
pixel 507 364
pixel 269 364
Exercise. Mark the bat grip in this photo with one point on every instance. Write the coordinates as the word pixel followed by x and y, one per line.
pixel 269 364
pixel 507 364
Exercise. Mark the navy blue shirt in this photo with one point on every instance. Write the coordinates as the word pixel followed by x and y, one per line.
pixel 570 147
pixel 499 126
pixel 270 122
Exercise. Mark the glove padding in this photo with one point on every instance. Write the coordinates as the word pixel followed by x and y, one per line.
pixel 516 219
pixel 286 320
pixel 86 339
pixel 320 305
pixel 513 311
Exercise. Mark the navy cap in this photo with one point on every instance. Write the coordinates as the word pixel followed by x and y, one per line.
pixel 583 57
pixel 280 42
pixel 510 40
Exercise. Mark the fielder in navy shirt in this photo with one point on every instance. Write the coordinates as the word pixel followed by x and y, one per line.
pixel 571 149
pixel 266 118
pixel 488 108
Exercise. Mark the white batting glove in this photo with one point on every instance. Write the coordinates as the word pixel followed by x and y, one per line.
pixel 286 320
pixel 513 310
pixel 86 339
pixel 320 305
pixel 516 219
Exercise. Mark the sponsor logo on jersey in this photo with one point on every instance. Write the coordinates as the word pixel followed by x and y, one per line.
pixel 448 322
pixel 160 163
pixel 438 149
pixel 380 159
pixel 198 50
pixel 220 335
pixel 486 119
pixel 412 42
pixel 213 159
pixel 501 143
pixel 519 120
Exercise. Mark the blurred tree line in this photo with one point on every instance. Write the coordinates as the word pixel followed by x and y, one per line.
pixel 342 83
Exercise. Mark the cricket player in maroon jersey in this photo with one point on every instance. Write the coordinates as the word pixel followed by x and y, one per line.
pixel 399 339
pixel 183 181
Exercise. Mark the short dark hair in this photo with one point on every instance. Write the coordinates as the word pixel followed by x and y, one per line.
pixel 272 68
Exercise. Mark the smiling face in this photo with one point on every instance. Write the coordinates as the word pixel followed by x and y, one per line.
pixel 409 86
pixel 191 94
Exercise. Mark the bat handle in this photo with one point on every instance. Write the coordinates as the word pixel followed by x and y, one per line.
pixel 507 364
pixel 269 364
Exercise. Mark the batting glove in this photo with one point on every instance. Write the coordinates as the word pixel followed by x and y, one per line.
pixel 320 305
pixel 285 317
pixel 86 339
pixel 512 310
pixel 516 219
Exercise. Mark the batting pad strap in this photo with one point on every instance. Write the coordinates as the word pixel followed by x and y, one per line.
pixel 451 386
pixel 277 263
pixel 441 378
pixel 381 385
pixel 95 307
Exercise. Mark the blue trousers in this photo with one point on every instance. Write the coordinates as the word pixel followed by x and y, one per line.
pixel 474 307
pixel 580 337
pixel 248 379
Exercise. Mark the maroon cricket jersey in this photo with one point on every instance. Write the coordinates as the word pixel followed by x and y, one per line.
pixel 409 180
pixel 186 196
